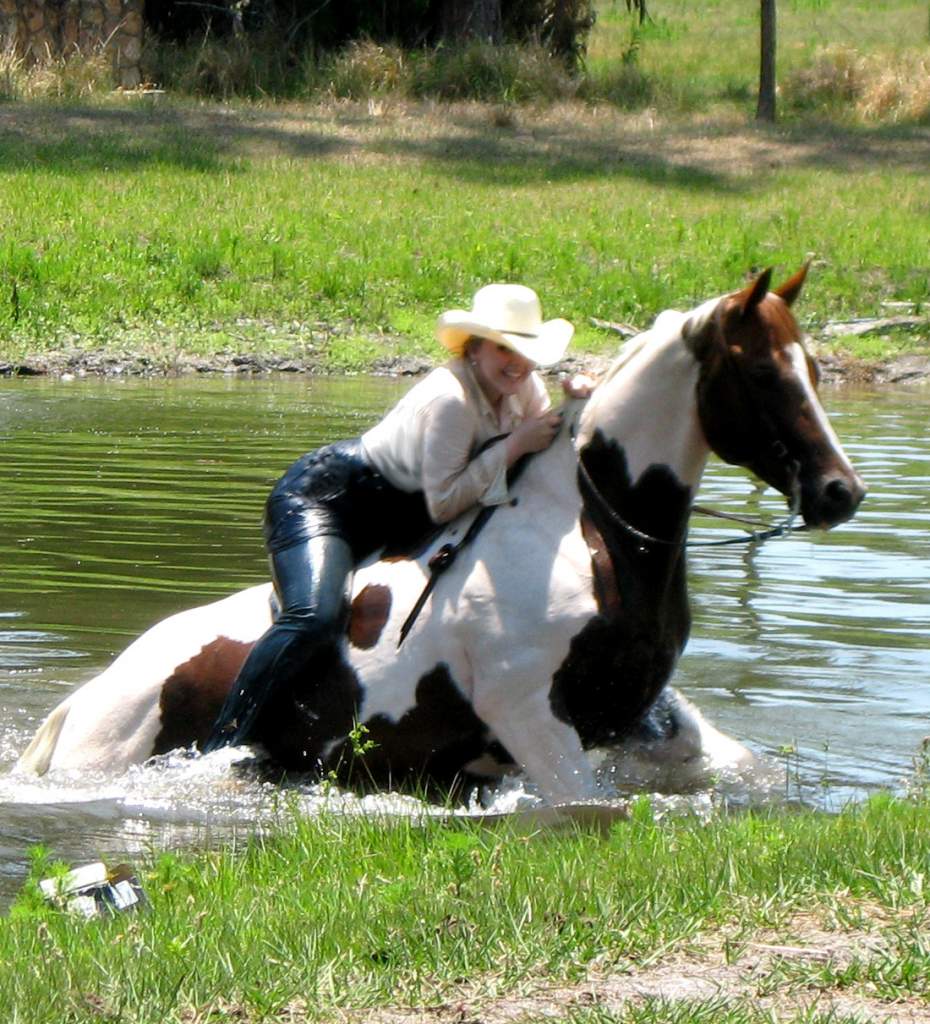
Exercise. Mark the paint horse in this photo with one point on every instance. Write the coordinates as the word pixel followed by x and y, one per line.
pixel 556 630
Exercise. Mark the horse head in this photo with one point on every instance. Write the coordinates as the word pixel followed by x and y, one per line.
pixel 758 404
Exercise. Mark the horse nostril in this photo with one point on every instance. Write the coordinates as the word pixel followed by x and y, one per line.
pixel 841 495
pixel 837 491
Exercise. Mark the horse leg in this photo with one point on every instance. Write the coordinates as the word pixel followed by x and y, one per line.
pixel 549 751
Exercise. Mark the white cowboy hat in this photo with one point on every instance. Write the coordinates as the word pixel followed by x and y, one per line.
pixel 511 315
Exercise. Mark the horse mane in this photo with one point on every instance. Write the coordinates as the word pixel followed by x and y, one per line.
pixel 627 351
pixel 666 323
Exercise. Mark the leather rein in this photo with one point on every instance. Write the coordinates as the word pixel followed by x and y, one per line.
pixel 781 529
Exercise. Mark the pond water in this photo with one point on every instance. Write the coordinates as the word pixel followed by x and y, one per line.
pixel 124 501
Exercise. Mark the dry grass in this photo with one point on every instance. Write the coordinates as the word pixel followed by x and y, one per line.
pixel 76 76
pixel 391 131
pixel 366 69
pixel 869 86
pixel 868 69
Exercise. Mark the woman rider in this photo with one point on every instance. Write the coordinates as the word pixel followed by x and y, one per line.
pixel 426 462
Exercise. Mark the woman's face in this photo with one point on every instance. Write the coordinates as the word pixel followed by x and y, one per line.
pixel 500 370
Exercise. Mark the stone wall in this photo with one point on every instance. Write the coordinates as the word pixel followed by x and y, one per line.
pixel 43 29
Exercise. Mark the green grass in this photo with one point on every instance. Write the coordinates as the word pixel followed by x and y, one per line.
pixel 338 230
pixel 701 55
pixel 688 57
pixel 334 913
pixel 243 229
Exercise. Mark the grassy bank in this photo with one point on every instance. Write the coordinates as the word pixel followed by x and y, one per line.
pixel 850 61
pixel 333 231
pixel 332 918
pixel 339 233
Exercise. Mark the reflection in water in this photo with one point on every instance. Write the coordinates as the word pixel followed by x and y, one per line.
pixel 123 502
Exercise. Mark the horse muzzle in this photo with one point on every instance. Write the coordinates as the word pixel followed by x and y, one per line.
pixel 831 499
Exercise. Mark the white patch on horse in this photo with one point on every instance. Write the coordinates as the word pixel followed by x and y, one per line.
pixel 643 396
pixel 800 363
pixel 112 721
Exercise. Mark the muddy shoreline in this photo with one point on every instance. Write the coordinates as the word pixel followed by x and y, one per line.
pixel 837 370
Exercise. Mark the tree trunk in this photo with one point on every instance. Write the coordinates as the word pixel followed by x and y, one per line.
pixel 463 20
pixel 765 111
pixel 640 6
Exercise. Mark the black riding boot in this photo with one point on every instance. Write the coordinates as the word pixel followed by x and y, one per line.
pixel 310 581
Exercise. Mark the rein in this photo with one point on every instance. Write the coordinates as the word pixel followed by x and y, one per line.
pixel 439 563
pixel 781 529
pixel 447 554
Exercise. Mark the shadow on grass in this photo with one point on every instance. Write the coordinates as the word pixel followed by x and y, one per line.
pixel 513 162
pixel 881 147
pixel 725 157
pixel 78 140
pixel 728 156
pixel 826 145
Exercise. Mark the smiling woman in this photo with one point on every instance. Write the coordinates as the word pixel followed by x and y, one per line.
pixel 500 370
pixel 443 449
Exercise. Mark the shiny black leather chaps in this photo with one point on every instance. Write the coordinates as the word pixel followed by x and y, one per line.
pixel 310 581
pixel 329 511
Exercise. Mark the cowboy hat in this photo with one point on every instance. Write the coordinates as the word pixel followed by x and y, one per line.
pixel 511 315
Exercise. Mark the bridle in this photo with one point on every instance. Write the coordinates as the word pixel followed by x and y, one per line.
pixel 777 450
pixel 780 529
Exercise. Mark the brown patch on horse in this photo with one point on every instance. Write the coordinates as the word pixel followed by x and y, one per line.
pixel 425 748
pixel 194 693
pixel 605 578
pixel 370 611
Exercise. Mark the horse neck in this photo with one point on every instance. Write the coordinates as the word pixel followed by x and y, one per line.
pixel 647 406
pixel 639 437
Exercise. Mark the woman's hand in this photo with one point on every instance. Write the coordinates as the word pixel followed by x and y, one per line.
pixel 532 435
pixel 579 386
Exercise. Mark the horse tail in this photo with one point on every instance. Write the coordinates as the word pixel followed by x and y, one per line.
pixel 37 757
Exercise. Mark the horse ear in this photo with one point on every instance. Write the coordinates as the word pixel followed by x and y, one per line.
pixel 791 289
pixel 753 294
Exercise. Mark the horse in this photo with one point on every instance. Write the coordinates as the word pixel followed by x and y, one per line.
pixel 558 627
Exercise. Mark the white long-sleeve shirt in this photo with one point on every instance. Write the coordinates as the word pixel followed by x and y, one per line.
pixel 429 439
